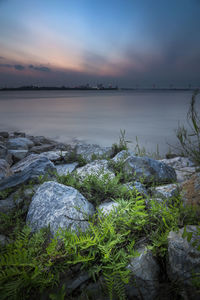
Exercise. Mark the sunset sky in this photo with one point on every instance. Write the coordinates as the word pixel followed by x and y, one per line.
pixel 123 42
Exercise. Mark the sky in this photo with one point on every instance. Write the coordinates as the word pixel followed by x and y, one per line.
pixel 129 43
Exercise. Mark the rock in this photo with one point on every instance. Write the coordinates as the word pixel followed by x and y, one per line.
pixel 183 166
pixel 7 205
pixel 54 156
pixel 149 170
pixel 18 154
pixel 19 143
pixel 97 167
pixel 166 191
pixel 59 206
pixel 4 134
pixel 19 134
pixel 191 190
pixel 138 186
pixel 178 162
pixel 184 260
pixel 40 140
pixel 145 274
pixel 42 148
pixel 4 169
pixel 75 283
pixel 89 150
pixel 107 207
pixel 66 168
pixel 3 150
pixel 28 168
pixel 122 155
pixel 4 240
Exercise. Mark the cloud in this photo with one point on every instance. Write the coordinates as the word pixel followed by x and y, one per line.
pixel 19 67
pixel 40 68
pixel 6 66
pixel 16 67
pixel 1 57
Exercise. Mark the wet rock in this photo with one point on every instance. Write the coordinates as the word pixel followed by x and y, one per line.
pixel 40 140
pixel 4 134
pixel 191 190
pixel 66 168
pixel 145 273
pixel 19 143
pixel 4 169
pixel 166 191
pixel 97 167
pixel 149 170
pixel 56 155
pixel 107 207
pixel 59 206
pixel 29 168
pixel 18 154
pixel 19 134
pixel 3 150
pixel 42 148
pixel 88 151
pixel 184 260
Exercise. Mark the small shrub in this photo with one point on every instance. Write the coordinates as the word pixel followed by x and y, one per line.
pixel 190 140
pixel 72 156
pixel 96 188
pixel 122 145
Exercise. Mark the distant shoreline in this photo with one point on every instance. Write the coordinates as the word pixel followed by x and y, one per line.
pixel 33 88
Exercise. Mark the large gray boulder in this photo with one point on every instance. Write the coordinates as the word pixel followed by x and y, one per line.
pixel 97 168
pixel 29 168
pixel 89 150
pixel 19 143
pixel 145 271
pixel 184 261
pixel 149 170
pixel 4 169
pixel 59 206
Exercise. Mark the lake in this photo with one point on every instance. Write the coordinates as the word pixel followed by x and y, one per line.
pixel 97 116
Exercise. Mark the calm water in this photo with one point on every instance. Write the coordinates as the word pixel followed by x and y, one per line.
pixel 96 116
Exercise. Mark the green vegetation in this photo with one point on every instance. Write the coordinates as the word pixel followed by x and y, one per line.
pixel 190 140
pixel 96 188
pixel 73 156
pixel 34 263
pixel 122 145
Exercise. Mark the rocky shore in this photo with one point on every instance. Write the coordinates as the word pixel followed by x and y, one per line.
pixel 37 161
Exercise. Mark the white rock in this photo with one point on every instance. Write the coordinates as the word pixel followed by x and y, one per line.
pixel 59 206
pixel 97 167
